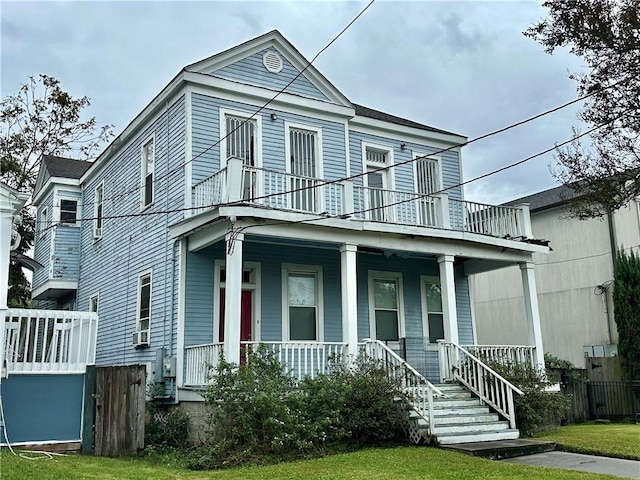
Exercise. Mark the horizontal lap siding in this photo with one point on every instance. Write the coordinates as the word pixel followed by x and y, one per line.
pixel 66 253
pixel 252 71
pixel 463 306
pixel 42 246
pixel 207 133
pixel 132 244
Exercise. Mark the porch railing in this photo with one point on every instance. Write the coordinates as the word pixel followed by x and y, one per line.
pixel 49 341
pixel 281 190
pixel 459 364
pixel 420 390
pixel 300 359
pixel 503 354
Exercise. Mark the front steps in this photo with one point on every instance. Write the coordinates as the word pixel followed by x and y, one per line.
pixel 460 418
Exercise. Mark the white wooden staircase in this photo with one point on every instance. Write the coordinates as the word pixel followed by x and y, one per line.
pixel 475 406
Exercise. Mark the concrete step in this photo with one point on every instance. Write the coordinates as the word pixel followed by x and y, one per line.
pixel 467 418
pixel 470 427
pixel 497 450
pixel 460 410
pixel 471 436
pixel 455 402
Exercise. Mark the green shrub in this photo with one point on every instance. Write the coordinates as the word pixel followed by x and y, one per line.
pixel 167 431
pixel 536 408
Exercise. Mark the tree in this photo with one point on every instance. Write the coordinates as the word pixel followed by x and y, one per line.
pixel 626 304
pixel 606 35
pixel 41 119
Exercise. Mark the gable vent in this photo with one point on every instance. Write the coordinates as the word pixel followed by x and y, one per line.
pixel 272 61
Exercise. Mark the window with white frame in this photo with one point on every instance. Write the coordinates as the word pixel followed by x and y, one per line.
pixel 93 303
pixel 241 140
pixel 377 159
pixel 44 222
pixel 68 211
pixel 148 161
pixel 303 303
pixel 304 156
pixel 144 303
pixel 433 316
pixel 98 198
pixel 385 306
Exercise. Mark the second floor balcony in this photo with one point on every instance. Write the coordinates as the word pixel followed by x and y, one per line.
pixel 249 185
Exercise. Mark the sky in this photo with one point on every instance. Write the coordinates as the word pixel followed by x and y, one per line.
pixel 462 66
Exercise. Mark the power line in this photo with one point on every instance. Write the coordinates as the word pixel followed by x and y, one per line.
pixel 252 116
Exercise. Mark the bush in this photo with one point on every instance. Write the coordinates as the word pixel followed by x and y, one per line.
pixel 167 431
pixel 536 408
pixel 260 415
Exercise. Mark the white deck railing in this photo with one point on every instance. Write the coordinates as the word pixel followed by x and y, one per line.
pixel 459 364
pixel 49 341
pixel 301 359
pixel 504 354
pixel 419 389
pixel 285 191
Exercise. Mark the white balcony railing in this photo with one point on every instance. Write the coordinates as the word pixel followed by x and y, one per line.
pixel 504 354
pixel 239 183
pixel 300 359
pixel 49 341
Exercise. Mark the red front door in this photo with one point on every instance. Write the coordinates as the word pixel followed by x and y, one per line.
pixel 246 314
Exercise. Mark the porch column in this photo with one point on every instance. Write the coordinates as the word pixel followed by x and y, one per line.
pixel 533 313
pixel 349 292
pixel 233 297
pixel 448 288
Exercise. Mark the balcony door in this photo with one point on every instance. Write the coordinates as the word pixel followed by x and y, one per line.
pixel 242 142
pixel 378 184
pixel 427 171
pixel 304 169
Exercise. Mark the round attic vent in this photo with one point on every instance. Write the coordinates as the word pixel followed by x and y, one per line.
pixel 272 61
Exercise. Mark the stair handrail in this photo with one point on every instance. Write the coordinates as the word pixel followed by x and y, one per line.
pixel 489 385
pixel 411 380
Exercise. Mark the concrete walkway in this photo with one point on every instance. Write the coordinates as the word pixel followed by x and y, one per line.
pixel 585 463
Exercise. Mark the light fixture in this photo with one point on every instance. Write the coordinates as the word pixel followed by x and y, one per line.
pixel 274 117
pixel 403 146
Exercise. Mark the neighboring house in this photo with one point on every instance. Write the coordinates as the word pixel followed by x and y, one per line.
pixel 211 224
pixel 574 281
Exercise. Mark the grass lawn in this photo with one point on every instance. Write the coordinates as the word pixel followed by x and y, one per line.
pixel 621 440
pixel 378 464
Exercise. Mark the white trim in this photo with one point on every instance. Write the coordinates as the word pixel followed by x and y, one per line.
pixel 44 221
pixel 231 90
pixel 474 331
pixel 388 174
pixel 143 173
pixel 427 156
pixel 188 151
pixel 182 288
pixel 255 287
pixel 424 279
pixel 273 53
pixel 54 182
pixel 287 145
pixel 347 150
pixel 95 234
pixel 384 275
pixel 141 275
pixel 316 270
pixel 97 298
pixel 224 111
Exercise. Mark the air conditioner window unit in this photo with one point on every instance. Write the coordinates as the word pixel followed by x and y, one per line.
pixel 97 232
pixel 141 338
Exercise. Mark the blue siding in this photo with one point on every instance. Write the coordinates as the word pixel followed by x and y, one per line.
pixel 251 70
pixel 42 245
pixel 206 132
pixel 135 241
pixel 66 253
pixel 463 307
pixel 39 408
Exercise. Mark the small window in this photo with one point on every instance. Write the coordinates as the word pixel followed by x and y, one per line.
pixel 93 304
pixel 432 309
pixel 144 303
pixel 44 222
pixel 148 160
pixel 98 196
pixel 385 306
pixel 68 211
pixel 303 303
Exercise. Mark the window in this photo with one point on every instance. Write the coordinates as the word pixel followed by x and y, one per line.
pixel 98 195
pixel 304 153
pixel 378 184
pixel 144 303
pixel 433 317
pixel 44 222
pixel 241 139
pixel 148 160
pixel 68 211
pixel 302 294
pixel 93 303
pixel 385 306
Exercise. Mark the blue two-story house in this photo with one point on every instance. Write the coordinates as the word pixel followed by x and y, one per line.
pixel 252 202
